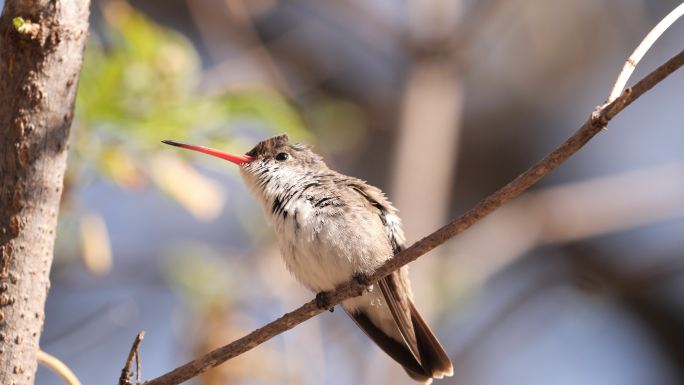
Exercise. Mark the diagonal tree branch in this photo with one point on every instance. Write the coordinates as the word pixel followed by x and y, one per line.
pixel 596 122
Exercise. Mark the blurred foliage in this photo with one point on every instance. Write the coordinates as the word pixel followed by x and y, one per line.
pixel 202 275
pixel 139 85
pixel 95 244
pixel 339 122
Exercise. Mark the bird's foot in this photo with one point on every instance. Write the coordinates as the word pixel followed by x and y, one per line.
pixel 363 279
pixel 323 301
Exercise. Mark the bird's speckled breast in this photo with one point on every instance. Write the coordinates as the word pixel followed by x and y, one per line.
pixel 321 249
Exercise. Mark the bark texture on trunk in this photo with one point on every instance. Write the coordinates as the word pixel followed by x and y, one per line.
pixel 41 50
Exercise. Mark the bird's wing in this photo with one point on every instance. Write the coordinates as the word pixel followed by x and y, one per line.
pixel 395 349
pixel 400 307
pixel 394 287
pixel 388 214
pixel 419 340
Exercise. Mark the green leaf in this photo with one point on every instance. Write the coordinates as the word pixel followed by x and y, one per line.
pixel 18 22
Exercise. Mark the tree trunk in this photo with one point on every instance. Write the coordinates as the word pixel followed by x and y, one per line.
pixel 40 59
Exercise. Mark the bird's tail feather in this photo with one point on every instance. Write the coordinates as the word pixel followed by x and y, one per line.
pixel 433 358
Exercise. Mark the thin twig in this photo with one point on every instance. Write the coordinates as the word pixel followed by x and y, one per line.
pixel 53 363
pixel 125 378
pixel 138 368
pixel 640 51
pixel 598 119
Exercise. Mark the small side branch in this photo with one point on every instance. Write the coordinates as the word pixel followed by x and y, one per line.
pixel 58 367
pixel 640 51
pixel 133 354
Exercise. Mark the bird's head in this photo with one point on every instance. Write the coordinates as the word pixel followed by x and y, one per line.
pixel 272 164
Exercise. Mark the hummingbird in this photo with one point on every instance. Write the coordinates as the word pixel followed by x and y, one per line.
pixel 332 228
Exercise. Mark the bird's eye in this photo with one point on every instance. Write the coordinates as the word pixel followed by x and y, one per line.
pixel 282 156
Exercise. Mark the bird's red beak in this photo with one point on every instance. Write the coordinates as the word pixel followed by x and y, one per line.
pixel 237 159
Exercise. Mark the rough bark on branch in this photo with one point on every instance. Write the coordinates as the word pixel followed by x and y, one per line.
pixel 41 47
pixel 596 123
